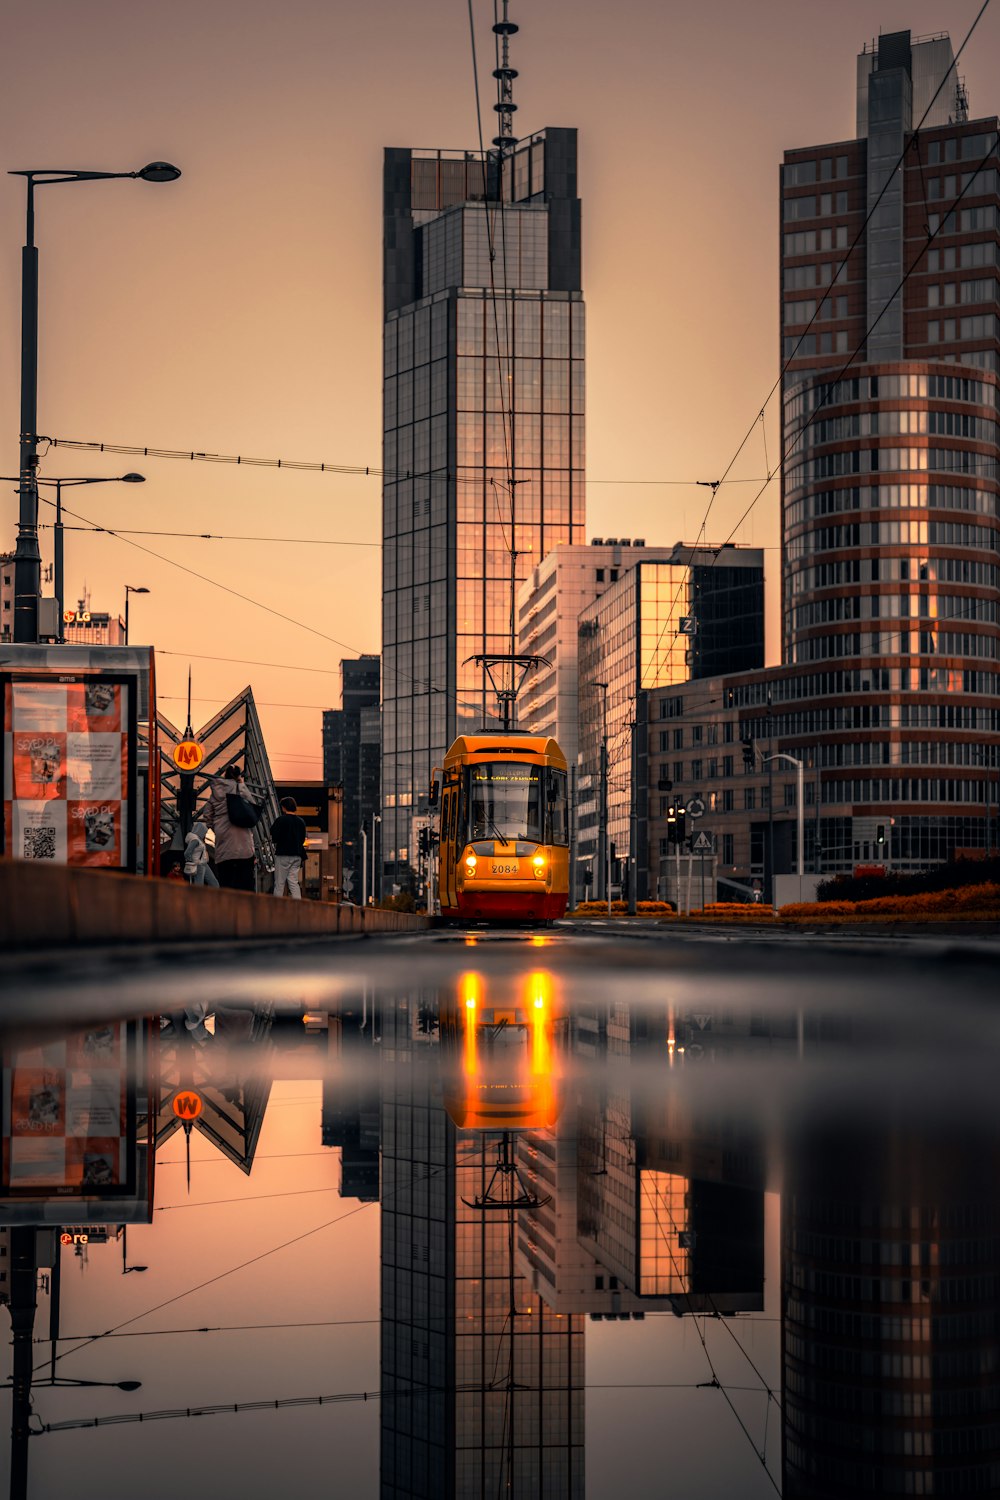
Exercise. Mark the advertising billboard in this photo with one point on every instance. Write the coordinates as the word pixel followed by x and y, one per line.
pixel 74 774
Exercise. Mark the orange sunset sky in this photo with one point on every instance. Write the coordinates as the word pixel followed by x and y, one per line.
pixel 239 310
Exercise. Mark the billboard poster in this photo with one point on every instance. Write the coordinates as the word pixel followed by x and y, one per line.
pixel 68 765
pixel 69 1116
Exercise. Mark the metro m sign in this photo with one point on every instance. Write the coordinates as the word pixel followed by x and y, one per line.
pixel 188 755
pixel 187 1105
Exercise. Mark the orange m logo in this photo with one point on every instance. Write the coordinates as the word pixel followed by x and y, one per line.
pixel 187 1105
pixel 188 755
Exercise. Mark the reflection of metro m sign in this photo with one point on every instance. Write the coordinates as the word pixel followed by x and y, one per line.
pixel 188 1105
pixel 188 755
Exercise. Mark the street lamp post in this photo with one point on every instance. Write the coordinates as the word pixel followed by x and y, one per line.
pixel 57 530
pixel 126 1268
pixel 800 811
pixel 27 558
pixel 130 590
pixel 603 845
pixel 376 820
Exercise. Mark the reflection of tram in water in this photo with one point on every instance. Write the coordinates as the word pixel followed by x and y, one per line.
pixel 504 828
pixel 499 1056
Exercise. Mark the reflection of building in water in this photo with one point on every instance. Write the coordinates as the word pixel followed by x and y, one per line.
pixel 891 1303
pixel 350 1106
pixel 664 1208
pixel 482 1384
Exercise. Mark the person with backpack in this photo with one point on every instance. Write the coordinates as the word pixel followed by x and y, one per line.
pixel 289 834
pixel 232 814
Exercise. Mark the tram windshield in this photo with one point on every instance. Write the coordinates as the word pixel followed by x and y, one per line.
pixel 509 800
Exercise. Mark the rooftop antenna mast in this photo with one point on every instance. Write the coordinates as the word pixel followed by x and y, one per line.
pixel 505 107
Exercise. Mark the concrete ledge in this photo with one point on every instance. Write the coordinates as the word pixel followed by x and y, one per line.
pixel 50 906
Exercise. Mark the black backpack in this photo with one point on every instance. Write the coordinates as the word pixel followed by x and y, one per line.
pixel 241 813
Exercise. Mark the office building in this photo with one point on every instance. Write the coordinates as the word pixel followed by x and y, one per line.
pixel 483 433
pixel 6 596
pixel 660 623
pixel 482 1384
pixel 890 522
pixel 549 604
pixel 86 627
pixel 351 759
pixel 890 1313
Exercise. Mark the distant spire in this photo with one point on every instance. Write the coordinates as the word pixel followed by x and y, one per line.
pixel 505 75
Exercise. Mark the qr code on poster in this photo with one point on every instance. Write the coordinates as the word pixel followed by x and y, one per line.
pixel 39 843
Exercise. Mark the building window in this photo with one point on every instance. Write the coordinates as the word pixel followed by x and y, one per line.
pixel 696 770
pixel 678 739
pixel 727 799
pixel 727 849
pixel 749 798
pixel 600 575
pixel 790 798
pixel 727 765
pixel 697 733
pixel 612 575
pixel 678 771
pixel 713 770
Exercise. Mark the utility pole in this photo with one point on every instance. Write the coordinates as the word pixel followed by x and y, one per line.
pixel 603 850
pixel 633 822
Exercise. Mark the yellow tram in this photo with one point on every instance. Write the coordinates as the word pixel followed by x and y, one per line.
pixel 504 828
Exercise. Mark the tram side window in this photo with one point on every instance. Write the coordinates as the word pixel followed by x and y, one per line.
pixel 453 819
pixel 557 812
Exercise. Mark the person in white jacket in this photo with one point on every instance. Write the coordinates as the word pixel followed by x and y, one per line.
pixel 196 865
pixel 234 847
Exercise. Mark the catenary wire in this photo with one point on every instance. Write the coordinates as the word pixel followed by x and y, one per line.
pixel 232 1270
pixel 831 384
pixel 715 485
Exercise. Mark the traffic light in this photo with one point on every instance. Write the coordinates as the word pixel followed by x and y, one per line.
pixel 677 830
pixel 423 841
pixel 880 834
pixel 749 756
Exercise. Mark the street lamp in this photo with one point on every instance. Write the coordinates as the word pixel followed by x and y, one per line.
pixel 800 816
pixel 126 1268
pixel 130 590
pixel 27 558
pixel 603 844
pixel 59 1380
pixel 376 820
pixel 57 530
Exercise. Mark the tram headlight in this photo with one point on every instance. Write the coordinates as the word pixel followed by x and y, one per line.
pixel 470 863
pixel 538 865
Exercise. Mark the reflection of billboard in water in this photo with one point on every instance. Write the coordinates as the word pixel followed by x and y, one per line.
pixel 70 1122
pixel 68 770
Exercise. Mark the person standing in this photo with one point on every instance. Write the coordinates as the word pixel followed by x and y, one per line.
pixel 289 834
pixel 234 844
pixel 196 865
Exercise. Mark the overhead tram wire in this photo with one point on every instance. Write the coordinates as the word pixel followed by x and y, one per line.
pixel 373 471
pixel 716 485
pixel 829 385
pixel 369 471
pixel 844 263
pixel 235 1408
pixel 257 603
pixel 835 379
pixel 232 1270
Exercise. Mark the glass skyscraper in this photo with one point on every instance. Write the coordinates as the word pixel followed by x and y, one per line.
pixel 483 433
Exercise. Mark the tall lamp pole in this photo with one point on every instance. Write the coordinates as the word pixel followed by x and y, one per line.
pixel 376 822
pixel 130 590
pixel 57 531
pixel 603 846
pixel 800 811
pixel 27 558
